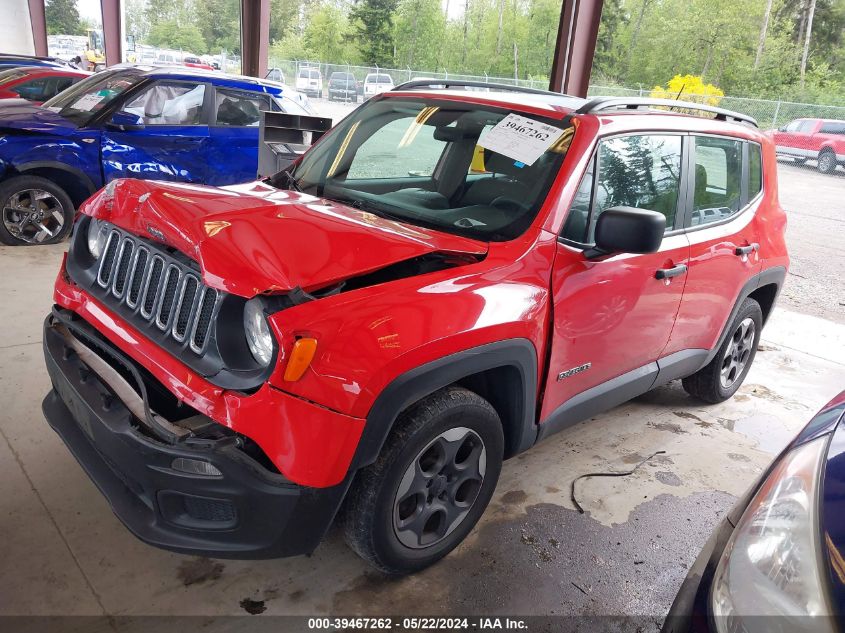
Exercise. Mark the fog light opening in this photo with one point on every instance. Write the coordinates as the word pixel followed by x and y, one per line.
pixel 195 467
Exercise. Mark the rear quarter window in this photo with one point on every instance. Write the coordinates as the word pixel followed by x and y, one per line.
pixel 755 170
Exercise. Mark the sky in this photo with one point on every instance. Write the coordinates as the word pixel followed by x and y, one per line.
pixel 89 9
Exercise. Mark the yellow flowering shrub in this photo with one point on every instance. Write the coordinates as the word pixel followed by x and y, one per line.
pixel 691 88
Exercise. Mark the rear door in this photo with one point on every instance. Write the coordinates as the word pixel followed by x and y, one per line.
pixel 726 189
pixel 174 142
pixel 233 139
pixel 613 316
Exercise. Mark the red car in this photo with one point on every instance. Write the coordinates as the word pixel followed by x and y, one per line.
pixel 821 140
pixel 37 83
pixel 196 62
pixel 443 280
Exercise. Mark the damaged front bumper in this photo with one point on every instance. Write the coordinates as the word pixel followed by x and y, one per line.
pixel 190 491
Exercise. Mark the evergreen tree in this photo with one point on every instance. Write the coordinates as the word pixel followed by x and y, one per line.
pixel 373 30
pixel 63 18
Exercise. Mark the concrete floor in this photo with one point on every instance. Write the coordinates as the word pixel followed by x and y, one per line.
pixel 63 552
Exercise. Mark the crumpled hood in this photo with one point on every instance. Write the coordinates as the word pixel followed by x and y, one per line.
pixel 251 239
pixel 19 114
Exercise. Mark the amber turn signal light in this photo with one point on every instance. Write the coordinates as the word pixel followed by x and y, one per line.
pixel 300 357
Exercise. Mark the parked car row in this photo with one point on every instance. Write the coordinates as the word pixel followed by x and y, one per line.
pixel 341 86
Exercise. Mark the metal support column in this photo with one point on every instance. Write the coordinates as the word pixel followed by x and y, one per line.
pixel 575 46
pixel 112 41
pixel 255 37
pixel 38 21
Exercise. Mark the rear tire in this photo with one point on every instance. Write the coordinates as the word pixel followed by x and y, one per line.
pixel 826 162
pixel 429 486
pixel 721 377
pixel 34 210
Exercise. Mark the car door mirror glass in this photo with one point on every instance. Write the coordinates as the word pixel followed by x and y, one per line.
pixel 627 230
pixel 125 122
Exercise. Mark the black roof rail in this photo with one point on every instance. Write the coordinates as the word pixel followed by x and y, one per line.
pixel 634 103
pixel 459 83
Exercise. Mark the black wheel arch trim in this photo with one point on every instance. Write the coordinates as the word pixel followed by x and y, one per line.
pixel 770 276
pixel 415 384
pixel 48 164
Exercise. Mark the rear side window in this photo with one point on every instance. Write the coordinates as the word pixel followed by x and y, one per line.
pixel 717 179
pixel 833 127
pixel 240 109
pixel 755 170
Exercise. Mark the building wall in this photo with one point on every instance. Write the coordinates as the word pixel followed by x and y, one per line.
pixel 15 28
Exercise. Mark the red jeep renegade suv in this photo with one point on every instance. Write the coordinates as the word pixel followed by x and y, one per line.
pixel 443 280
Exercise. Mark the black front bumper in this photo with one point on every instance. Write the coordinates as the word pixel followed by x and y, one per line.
pixel 246 512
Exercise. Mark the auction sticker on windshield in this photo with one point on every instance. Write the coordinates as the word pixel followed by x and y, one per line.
pixel 88 102
pixel 520 138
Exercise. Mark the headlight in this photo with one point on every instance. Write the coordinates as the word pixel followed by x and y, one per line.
pixel 257 331
pixel 97 234
pixel 771 565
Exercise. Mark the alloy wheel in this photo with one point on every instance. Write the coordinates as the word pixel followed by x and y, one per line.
pixel 439 488
pixel 738 352
pixel 827 162
pixel 33 216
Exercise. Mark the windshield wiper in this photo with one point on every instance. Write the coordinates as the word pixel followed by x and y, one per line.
pixel 289 182
pixel 372 207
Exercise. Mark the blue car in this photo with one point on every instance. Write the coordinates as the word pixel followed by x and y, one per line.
pixel 172 123
pixel 13 61
pixel 777 561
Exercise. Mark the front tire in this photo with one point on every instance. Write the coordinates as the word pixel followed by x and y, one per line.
pixel 429 486
pixel 34 211
pixel 826 162
pixel 722 376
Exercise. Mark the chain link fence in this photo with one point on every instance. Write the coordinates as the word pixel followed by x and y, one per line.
pixel 768 112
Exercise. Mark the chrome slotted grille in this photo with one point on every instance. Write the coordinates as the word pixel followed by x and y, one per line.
pixel 157 289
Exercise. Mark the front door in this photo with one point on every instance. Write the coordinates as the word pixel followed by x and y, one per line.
pixel 173 143
pixel 613 316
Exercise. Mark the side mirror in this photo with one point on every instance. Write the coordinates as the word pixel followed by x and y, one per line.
pixel 122 121
pixel 627 230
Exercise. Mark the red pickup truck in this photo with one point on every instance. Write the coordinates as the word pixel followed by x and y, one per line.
pixel 822 140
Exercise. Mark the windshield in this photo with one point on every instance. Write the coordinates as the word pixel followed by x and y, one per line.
pixel 458 167
pixel 83 101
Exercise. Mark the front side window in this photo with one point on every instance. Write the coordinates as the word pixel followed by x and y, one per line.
pixel 169 104
pixel 410 160
pixel 717 178
pixel 641 172
pixel 240 109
